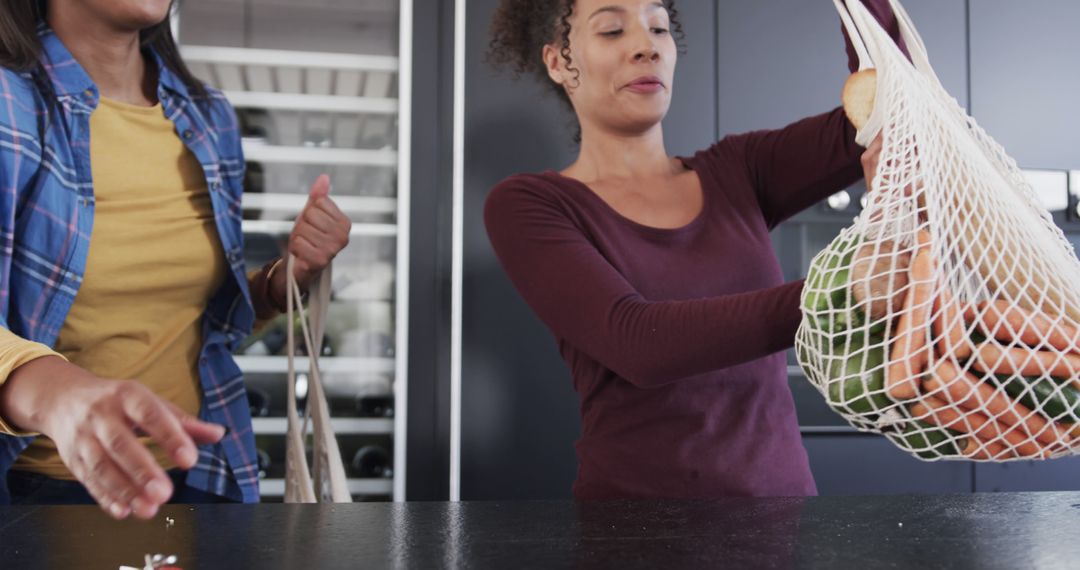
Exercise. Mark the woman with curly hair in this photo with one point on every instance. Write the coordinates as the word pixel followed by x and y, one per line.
pixel 655 273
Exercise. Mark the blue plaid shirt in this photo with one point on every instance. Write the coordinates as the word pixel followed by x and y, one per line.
pixel 46 212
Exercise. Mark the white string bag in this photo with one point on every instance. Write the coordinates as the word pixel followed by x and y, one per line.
pixel 326 482
pixel 946 316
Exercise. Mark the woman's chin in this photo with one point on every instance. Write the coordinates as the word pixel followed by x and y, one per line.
pixel 642 122
pixel 141 14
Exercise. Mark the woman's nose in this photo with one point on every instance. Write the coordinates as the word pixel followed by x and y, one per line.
pixel 647 51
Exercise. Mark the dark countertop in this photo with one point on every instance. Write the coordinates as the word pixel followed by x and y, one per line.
pixel 1014 530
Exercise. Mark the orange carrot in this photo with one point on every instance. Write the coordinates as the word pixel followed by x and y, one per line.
pixel 978 450
pixel 910 353
pixel 949 327
pixel 1074 437
pixel 980 426
pixel 975 449
pixel 935 411
pixel 995 359
pixel 1007 322
pixel 989 450
pixel 963 389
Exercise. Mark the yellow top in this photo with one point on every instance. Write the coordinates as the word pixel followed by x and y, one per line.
pixel 155 260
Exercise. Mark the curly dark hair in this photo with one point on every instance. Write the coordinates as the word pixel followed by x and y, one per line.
pixel 521 28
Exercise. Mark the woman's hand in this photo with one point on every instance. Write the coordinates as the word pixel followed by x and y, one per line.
pixel 870 158
pixel 96 424
pixel 320 233
pixel 871 161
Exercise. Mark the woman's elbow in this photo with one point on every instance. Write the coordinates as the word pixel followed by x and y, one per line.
pixel 646 373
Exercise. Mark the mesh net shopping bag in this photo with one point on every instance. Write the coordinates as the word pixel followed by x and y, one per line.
pixel 946 316
pixel 326 482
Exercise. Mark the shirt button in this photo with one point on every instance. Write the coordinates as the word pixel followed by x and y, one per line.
pixel 188 134
pixel 89 93
pixel 215 186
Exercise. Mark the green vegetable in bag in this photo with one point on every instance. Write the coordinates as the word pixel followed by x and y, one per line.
pixel 857 384
pixel 930 441
pixel 1058 399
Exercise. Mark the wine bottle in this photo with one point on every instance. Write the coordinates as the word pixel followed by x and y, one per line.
pixel 263 462
pixel 371 461
pixel 372 406
pixel 258 401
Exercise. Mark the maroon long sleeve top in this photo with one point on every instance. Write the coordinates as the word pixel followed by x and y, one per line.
pixel 675 337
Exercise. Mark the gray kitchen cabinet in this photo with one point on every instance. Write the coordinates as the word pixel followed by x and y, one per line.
pixel 857 464
pixel 1054 475
pixel 1025 77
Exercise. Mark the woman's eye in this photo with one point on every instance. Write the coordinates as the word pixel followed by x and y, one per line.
pixel 612 33
pixel 660 30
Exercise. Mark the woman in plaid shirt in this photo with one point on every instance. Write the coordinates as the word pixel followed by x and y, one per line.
pixel 123 290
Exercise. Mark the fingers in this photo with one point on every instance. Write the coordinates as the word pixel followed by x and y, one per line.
pixel 870 159
pixel 107 484
pixel 321 211
pixel 321 231
pixel 872 153
pixel 324 215
pixel 138 465
pixel 317 220
pixel 334 221
pixel 331 208
pixel 99 442
pixel 309 256
pixel 119 471
pixel 875 145
pixel 203 433
pixel 148 412
pixel 320 188
pixel 324 230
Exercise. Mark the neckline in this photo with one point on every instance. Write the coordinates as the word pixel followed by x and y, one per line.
pixel 130 107
pixel 691 225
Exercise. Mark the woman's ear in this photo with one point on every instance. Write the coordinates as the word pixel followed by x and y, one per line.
pixel 553 61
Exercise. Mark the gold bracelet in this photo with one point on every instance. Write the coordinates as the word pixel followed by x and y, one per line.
pixel 269 282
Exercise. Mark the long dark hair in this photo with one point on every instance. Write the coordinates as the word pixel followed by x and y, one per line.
pixel 20 47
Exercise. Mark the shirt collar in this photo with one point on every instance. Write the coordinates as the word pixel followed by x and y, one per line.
pixel 69 78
